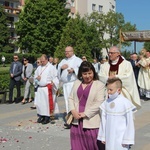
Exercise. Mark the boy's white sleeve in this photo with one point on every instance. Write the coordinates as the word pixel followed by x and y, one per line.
pixel 130 131
pixel 101 133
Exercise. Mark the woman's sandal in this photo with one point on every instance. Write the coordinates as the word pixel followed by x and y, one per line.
pixel 30 100
pixel 23 102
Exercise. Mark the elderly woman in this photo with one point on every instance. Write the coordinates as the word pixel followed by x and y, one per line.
pixel 84 101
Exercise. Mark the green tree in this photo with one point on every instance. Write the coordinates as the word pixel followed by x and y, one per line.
pixel 147 45
pixel 81 35
pixel 4 32
pixel 40 25
pixel 126 54
pixel 108 26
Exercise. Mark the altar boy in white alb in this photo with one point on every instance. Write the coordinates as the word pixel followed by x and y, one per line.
pixel 47 83
pixel 117 126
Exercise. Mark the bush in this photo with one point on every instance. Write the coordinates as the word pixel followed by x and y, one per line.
pixel 4 80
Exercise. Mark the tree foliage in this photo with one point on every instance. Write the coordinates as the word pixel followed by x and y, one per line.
pixel 40 25
pixel 81 35
pixel 4 32
pixel 109 26
pixel 126 54
pixel 147 45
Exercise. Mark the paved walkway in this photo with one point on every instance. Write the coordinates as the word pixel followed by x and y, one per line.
pixel 19 130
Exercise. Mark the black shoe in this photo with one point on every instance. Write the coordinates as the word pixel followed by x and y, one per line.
pixel 146 99
pixel 67 126
pixel 10 102
pixel 40 119
pixel 33 107
pixel 46 120
pixel 142 97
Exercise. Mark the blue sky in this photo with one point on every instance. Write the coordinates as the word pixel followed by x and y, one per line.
pixel 136 12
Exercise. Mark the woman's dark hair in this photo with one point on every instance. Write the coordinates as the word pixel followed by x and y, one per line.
pixel 85 67
pixel 26 58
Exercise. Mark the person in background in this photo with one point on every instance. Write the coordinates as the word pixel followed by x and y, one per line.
pixel 116 129
pixel 86 96
pixel 144 74
pixel 47 82
pixel 56 62
pixel 27 70
pixel 67 72
pixel 84 58
pixel 121 68
pixel 51 59
pixel 96 65
pixel 56 110
pixel 15 77
pixel 134 62
pixel 38 62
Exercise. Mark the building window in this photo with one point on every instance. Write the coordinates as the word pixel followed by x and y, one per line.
pixel 72 15
pixel 7 4
pixel 12 5
pixel 113 7
pixel 100 8
pixel 72 3
pixel 2 3
pixel 94 7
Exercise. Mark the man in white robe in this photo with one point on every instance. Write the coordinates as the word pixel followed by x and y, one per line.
pixel 144 76
pixel 117 126
pixel 46 76
pixel 67 72
pixel 121 68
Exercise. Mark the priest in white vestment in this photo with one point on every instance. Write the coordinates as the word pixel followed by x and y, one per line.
pixel 121 68
pixel 47 81
pixel 144 75
pixel 116 129
pixel 67 72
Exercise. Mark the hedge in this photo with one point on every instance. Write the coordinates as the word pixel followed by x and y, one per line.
pixel 4 80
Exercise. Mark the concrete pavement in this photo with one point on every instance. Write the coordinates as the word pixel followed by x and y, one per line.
pixel 19 130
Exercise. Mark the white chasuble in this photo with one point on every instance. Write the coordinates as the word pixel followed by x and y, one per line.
pixel 126 74
pixel 144 74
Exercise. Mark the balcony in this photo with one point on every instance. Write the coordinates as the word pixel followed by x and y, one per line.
pixel 11 10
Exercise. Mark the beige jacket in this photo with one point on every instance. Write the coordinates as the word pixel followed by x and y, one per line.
pixel 92 110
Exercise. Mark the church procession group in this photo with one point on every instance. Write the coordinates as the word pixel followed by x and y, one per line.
pixel 102 102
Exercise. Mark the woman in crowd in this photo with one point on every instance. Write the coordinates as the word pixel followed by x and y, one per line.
pixel 27 70
pixel 84 101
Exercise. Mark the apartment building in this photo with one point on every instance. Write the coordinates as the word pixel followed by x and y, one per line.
pixel 12 9
pixel 88 6
pixel 84 7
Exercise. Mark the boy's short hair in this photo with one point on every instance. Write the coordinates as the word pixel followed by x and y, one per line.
pixel 115 80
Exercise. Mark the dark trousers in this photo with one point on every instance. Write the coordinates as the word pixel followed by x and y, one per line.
pixel 101 146
pixel 11 88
